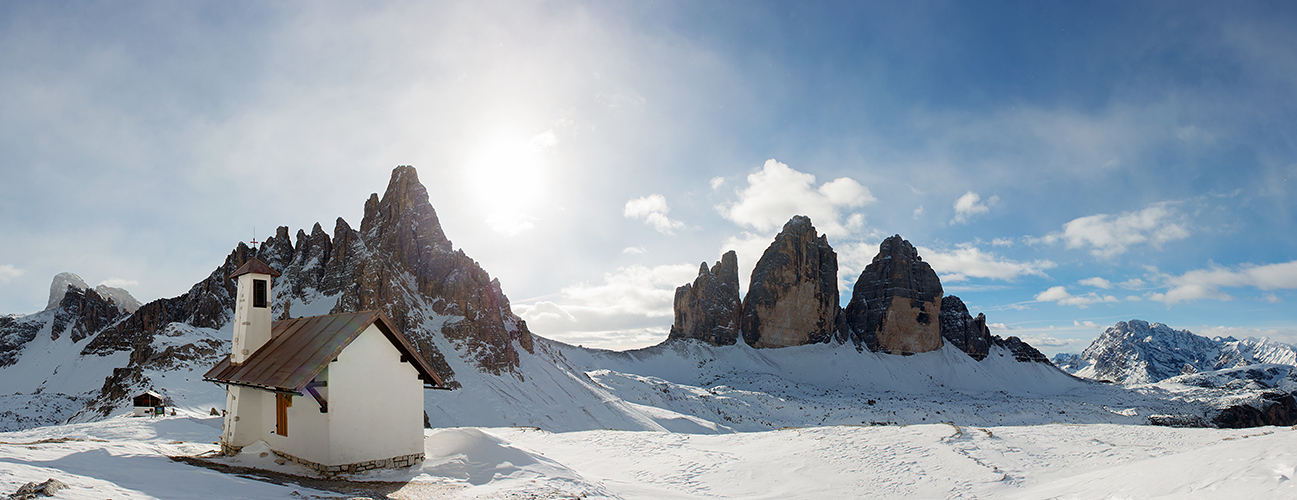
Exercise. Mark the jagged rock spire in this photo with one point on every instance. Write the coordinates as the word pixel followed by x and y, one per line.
pixel 896 303
pixel 793 296
pixel 708 309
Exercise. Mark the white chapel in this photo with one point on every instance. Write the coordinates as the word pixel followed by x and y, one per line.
pixel 337 393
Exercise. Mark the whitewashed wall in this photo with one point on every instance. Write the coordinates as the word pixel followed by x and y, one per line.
pixel 248 405
pixel 379 402
pixel 308 429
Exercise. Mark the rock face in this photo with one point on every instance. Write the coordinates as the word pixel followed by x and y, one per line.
pixel 1272 408
pixel 1022 351
pixel 962 330
pixel 709 308
pixel 401 257
pixel 896 304
pixel 971 335
pixel 793 296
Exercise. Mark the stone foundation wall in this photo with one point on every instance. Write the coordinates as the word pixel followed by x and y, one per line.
pixel 333 470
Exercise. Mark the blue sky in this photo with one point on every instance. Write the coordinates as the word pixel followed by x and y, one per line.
pixel 1063 165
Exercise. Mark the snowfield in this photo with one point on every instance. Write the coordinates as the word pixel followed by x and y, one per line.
pixel 678 420
pixel 127 458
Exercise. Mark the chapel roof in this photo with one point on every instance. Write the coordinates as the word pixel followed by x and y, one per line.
pixel 300 348
pixel 254 265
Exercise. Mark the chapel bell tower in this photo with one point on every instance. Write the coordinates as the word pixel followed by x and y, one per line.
pixel 251 309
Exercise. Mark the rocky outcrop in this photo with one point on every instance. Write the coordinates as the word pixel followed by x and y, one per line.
pixel 793 296
pixel 709 308
pixel 1022 351
pixel 15 333
pixel 1271 408
pixel 309 256
pixel 81 313
pixel 962 330
pixel 896 303
pixel 971 335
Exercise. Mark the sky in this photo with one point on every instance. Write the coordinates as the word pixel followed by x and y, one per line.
pixel 1062 165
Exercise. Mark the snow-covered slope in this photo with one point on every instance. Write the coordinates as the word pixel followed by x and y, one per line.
pixel 1137 352
pixel 128 459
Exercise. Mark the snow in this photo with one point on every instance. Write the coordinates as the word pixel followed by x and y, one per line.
pixel 682 420
pixel 125 458
pixel 43 387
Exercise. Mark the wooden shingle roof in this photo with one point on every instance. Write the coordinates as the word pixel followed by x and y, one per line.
pixel 299 349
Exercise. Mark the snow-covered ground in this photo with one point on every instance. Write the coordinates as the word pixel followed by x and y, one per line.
pixel 127 458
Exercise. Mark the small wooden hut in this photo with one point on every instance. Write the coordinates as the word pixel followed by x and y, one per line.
pixel 149 403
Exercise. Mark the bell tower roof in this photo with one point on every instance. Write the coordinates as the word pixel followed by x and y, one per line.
pixel 254 265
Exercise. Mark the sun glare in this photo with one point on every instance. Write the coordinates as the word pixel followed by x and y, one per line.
pixel 508 175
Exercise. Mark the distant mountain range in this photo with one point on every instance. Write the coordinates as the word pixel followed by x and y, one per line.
pixel 1138 352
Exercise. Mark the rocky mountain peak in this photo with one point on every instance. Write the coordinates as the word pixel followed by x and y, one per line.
pixel 708 309
pixel 896 247
pixel 404 218
pixel 59 286
pixel 65 283
pixel 896 303
pixel 792 297
pixel 401 262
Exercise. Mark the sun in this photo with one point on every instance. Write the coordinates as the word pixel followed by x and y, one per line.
pixel 508 174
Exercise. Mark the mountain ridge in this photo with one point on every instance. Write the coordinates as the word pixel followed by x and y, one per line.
pixel 1139 352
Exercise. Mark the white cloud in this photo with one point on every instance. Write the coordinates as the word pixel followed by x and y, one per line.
pixel 544 312
pixel 1000 326
pixel 970 262
pixel 8 272
pixel 1042 341
pixel 1087 324
pixel 639 208
pixel 544 141
pixel 1060 295
pixel 1111 235
pixel 511 224
pixel 1286 334
pixel 1132 283
pixel 1096 282
pixel 717 182
pixel 652 209
pixel 970 204
pixel 636 290
pixel 918 212
pixel 631 308
pixel 634 250
pixel 1002 242
pixel 119 282
pixel 776 193
pixel 1207 283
